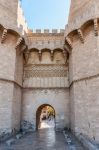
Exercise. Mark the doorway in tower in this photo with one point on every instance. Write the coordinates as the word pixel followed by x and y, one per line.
pixel 45 117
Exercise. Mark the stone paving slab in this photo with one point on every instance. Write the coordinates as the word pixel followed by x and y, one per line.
pixel 45 139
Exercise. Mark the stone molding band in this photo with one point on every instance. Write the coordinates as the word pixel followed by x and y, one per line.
pixel 44 88
pixel 14 82
pixel 11 81
pixel 71 84
pixel 83 79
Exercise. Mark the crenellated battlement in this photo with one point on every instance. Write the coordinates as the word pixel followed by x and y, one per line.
pixel 21 20
pixel 45 31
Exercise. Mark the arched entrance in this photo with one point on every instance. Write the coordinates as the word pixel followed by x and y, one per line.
pixel 45 117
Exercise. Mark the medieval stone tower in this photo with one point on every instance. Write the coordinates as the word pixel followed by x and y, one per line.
pixel 9 17
pixel 11 66
pixel 58 68
pixel 81 37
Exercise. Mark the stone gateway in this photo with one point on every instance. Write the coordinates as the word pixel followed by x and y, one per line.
pixel 58 69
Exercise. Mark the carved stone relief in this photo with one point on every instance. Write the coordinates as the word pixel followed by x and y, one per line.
pixel 45 71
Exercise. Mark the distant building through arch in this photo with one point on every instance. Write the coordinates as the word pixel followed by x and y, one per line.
pixel 41 114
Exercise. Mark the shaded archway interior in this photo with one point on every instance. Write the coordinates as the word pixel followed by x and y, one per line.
pixel 39 113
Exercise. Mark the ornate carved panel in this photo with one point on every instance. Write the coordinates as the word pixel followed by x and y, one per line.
pixel 45 71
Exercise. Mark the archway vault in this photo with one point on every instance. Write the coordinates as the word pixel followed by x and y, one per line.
pixel 38 113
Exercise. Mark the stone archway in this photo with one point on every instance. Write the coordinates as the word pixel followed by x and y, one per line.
pixel 39 112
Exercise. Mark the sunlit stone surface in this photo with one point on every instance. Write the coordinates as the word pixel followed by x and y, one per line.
pixel 59 69
pixel 44 139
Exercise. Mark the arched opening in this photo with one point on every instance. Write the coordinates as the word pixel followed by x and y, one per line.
pixel 58 56
pixel 45 117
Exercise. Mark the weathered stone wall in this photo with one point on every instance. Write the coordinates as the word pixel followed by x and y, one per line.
pixel 88 10
pixel 18 74
pixel 82 35
pixel 7 57
pixel 8 13
pixel 57 98
pixel 11 72
pixel 10 107
pixel 46 78
pixel 84 76
pixel 85 57
pixel 46 69
pixel 42 41
pixel 6 98
pixel 11 68
pixel 12 17
pixel 85 108
pixel 16 107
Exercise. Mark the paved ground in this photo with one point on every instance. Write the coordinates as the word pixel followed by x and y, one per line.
pixel 45 139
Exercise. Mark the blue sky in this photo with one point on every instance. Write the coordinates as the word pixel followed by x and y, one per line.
pixel 46 14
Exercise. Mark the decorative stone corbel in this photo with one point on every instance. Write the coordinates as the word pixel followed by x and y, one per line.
pixel 4 35
pixel 26 56
pixel 66 48
pixel 69 42
pixel 65 55
pixel 24 47
pixel 52 55
pixel 40 55
pixel 18 42
pixel 80 33
pixel 96 26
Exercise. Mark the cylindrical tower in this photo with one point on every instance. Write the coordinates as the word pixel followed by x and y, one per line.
pixel 11 68
pixel 77 7
pixel 80 12
pixel 8 13
pixel 81 38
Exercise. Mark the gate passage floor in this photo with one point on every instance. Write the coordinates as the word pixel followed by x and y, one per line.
pixel 44 139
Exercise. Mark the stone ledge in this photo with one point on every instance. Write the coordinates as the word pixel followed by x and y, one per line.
pixel 83 79
pixel 10 81
pixel 45 88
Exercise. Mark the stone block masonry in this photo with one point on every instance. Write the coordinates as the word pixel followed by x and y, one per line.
pixel 58 68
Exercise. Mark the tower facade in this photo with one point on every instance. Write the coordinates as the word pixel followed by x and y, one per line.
pixel 81 12
pixel 57 69
pixel 31 75
pixel 11 66
pixel 9 17
pixel 81 37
